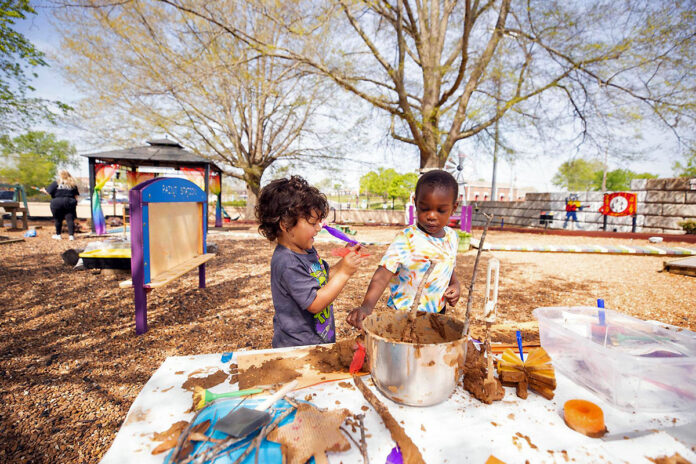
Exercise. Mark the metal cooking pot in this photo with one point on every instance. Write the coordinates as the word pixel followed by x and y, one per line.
pixel 415 374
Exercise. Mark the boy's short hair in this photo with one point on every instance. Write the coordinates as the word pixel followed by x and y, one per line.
pixel 286 201
pixel 438 178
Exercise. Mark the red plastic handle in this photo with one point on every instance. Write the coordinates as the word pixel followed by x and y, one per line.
pixel 358 359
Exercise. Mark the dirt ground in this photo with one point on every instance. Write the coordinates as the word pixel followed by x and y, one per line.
pixel 71 363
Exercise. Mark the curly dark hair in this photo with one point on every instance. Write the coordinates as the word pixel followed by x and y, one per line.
pixel 286 201
pixel 438 178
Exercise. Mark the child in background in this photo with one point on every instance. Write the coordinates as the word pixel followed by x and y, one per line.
pixel 290 211
pixel 404 264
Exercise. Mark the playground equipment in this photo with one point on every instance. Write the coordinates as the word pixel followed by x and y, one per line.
pixel 13 203
pixel 685 266
pixel 225 215
pixel 168 233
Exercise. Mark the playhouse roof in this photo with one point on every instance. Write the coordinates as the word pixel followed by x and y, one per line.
pixel 158 152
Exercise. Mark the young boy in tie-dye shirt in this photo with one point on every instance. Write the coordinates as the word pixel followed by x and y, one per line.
pixel 427 243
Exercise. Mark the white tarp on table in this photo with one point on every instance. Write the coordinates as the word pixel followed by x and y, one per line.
pixel 460 430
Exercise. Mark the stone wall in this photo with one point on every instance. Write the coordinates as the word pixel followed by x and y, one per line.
pixel 661 205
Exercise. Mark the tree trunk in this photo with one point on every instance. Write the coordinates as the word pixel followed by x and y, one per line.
pixel 429 160
pixel 604 172
pixel 252 197
pixel 253 186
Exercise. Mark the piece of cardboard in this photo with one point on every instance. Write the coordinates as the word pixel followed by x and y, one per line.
pixel 295 359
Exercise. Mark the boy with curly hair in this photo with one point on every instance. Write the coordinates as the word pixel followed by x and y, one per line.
pixel 290 211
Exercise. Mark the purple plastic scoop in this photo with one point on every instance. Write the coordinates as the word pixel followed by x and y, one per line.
pixel 340 235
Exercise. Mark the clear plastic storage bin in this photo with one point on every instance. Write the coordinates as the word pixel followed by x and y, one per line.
pixel 633 364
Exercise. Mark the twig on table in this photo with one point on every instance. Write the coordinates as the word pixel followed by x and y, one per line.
pixel 262 434
pixel 227 446
pixel 409 450
pixel 363 442
pixel 347 433
pixel 184 436
pixel 362 446
pixel 470 298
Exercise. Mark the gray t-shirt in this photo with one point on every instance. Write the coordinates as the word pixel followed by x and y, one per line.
pixel 295 279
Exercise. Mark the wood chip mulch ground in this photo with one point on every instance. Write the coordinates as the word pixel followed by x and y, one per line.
pixel 71 364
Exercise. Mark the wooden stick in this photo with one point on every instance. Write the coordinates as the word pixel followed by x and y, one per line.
pixel 363 442
pixel 409 450
pixel 470 298
pixel 410 326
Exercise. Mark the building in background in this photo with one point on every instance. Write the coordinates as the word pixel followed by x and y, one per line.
pixel 481 191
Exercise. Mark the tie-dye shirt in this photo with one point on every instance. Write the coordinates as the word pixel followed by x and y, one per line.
pixel 408 256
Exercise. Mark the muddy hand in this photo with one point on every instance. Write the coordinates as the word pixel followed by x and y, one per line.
pixel 356 317
pixel 452 294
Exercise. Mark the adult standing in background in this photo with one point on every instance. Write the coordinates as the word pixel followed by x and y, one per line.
pixel 64 195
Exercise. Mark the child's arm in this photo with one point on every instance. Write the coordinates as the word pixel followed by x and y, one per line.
pixel 338 278
pixel 379 282
pixel 453 291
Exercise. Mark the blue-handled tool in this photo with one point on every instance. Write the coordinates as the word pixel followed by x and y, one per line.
pixel 519 344
pixel 340 235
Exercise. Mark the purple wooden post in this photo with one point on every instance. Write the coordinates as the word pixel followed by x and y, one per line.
pixel 140 310
pixel 201 276
pixel 469 213
pixel 137 261
pixel 465 222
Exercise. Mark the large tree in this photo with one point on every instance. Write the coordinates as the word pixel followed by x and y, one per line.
pixel 18 60
pixel 577 175
pixel 428 63
pixel 146 67
pixel 618 179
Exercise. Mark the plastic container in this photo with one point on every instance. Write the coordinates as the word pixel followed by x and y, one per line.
pixel 633 364
pixel 108 254
pixel 464 240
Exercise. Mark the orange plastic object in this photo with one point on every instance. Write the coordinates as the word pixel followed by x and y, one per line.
pixel 343 251
pixel 493 460
pixel 584 417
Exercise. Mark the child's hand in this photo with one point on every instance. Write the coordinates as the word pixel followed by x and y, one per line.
pixel 349 264
pixel 452 293
pixel 356 316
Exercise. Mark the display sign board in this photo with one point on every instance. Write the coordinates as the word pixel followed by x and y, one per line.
pixel 619 204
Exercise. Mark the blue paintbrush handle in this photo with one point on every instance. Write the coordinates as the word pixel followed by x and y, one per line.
pixel 519 344
pixel 339 235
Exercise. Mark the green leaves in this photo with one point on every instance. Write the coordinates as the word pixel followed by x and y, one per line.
pixel 17 56
pixel 32 159
pixel 580 174
pixel 388 183
pixel 577 174
pixel 688 169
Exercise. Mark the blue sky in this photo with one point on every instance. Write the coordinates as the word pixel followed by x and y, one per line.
pixel 535 172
